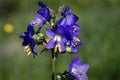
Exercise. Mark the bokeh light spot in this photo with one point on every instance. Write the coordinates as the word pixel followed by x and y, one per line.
pixel 8 28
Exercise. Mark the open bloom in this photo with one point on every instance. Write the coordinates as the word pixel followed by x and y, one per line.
pixel 57 39
pixel 41 17
pixel 78 69
pixel 60 38
pixel 29 41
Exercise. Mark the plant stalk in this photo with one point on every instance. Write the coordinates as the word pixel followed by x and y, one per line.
pixel 53 65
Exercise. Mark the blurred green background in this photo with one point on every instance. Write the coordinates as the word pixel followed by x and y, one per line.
pixel 100 23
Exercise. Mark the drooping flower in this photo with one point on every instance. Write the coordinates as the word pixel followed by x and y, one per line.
pixel 41 17
pixel 78 69
pixel 29 41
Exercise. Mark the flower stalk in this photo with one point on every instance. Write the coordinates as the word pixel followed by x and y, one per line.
pixel 53 65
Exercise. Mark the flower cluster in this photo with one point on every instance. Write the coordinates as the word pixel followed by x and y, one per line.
pixel 61 36
pixel 65 35
pixel 42 16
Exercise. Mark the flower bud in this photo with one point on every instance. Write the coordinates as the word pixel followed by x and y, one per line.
pixel 68 49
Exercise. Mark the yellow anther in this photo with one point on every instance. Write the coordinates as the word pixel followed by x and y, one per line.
pixel 28 53
pixel 77 39
pixel 57 47
pixel 47 40
pixel 27 50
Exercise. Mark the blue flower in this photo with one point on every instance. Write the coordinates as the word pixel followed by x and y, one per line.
pixel 41 17
pixel 68 21
pixel 29 41
pixel 57 39
pixel 78 69
pixel 71 34
pixel 60 37
pixel 68 18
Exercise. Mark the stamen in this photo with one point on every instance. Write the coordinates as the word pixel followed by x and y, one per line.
pixel 27 50
pixel 47 39
pixel 77 39
pixel 57 47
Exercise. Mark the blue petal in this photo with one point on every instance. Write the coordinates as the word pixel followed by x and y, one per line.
pixel 42 4
pixel 62 21
pixel 44 12
pixel 73 63
pixel 50 33
pixel 32 46
pixel 30 29
pixel 68 20
pixel 63 46
pixel 79 43
pixel 83 77
pixel 83 68
pixel 74 50
pixel 25 43
pixel 22 35
pixel 39 16
pixel 66 11
pixel 50 44
pixel 77 27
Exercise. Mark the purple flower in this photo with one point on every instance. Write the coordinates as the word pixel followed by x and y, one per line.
pixel 71 29
pixel 78 69
pixel 72 37
pixel 29 41
pixel 68 18
pixel 41 17
pixel 57 39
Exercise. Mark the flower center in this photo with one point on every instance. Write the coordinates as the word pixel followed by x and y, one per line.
pixel 37 22
pixel 74 70
pixel 57 38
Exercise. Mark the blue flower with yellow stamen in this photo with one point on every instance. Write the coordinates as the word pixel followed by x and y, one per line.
pixel 60 37
pixel 78 69
pixel 57 39
pixel 29 41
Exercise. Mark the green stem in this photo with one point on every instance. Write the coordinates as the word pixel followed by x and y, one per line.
pixel 53 65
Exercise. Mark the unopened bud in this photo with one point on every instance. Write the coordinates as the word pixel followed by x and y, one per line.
pixel 68 49
pixel 40 35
